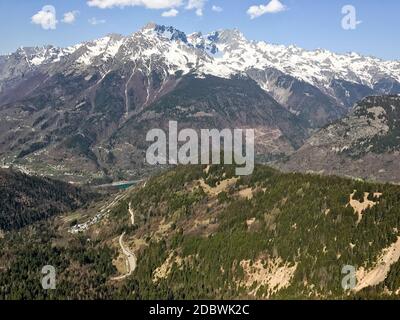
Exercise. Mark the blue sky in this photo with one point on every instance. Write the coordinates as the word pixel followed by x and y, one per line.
pixel 309 24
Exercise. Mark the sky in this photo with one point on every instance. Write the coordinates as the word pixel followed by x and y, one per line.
pixel 369 27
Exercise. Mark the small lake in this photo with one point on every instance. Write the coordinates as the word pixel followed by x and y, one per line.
pixel 121 185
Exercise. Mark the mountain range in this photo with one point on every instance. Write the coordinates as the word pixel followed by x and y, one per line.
pixel 82 112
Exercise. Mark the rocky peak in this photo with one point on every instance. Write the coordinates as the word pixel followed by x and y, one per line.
pixel 227 36
pixel 167 32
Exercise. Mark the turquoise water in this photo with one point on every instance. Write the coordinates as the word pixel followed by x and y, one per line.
pixel 126 186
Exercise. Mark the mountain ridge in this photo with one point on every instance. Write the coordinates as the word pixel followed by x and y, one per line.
pixel 337 78
pixel 200 232
pixel 364 144
pixel 225 37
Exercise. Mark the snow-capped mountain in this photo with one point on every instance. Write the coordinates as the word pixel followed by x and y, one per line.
pixel 26 59
pixel 94 100
pixel 328 83
pixel 317 67
pixel 222 53
pixel 306 82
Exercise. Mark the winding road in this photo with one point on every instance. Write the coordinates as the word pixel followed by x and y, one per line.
pixel 131 259
pixel 132 213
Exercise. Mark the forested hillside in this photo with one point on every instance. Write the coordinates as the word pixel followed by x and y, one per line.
pixel 26 199
pixel 269 235
pixel 202 233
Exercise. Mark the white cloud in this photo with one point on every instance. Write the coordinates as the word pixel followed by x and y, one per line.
pixel 150 4
pixel 95 21
pixel 170 13
pixel 46 18
pixel 274 6
pixel 197 5
pixel 70 17
pixel 217 9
